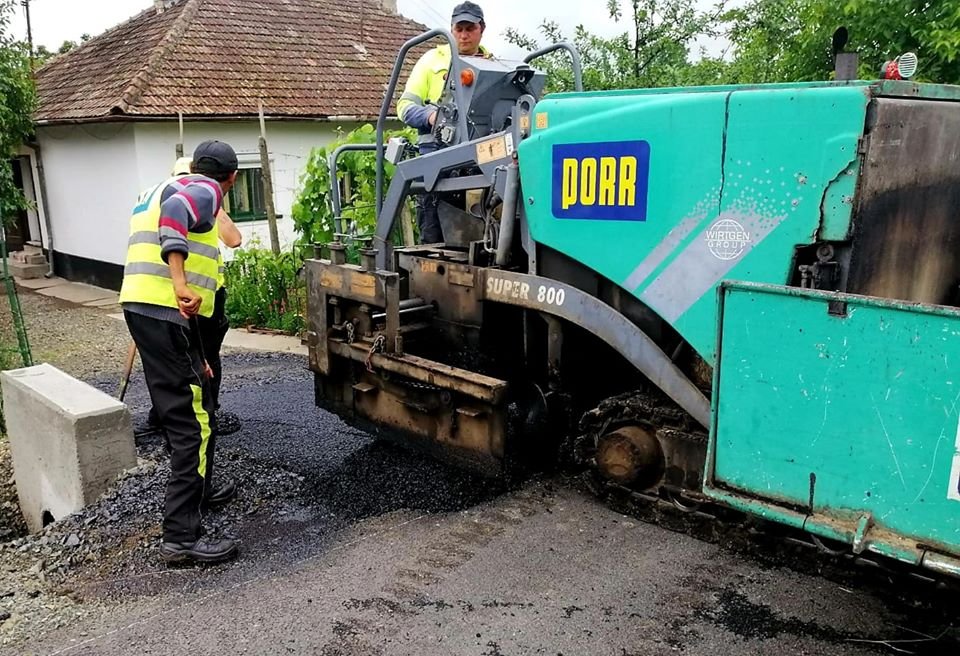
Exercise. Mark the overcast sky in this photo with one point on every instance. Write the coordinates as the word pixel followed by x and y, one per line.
pixel 55 21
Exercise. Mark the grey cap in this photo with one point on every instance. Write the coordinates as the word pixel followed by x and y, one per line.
pixel 469 12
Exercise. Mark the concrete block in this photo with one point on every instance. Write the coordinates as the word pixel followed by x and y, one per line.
pixel 26 271
pixel 41 283
pixel 27 257
pixel 69 441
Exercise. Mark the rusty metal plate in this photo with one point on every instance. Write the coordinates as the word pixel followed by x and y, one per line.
pixel 363 285
pixel 906 232
pixel 331 279
pixel 462 276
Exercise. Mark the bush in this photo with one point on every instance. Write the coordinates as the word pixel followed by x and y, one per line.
pixel 264 290
pixel 313 209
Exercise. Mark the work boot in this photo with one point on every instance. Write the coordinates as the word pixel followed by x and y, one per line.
pixel 227 423
pixel 203 550
pixel 221 495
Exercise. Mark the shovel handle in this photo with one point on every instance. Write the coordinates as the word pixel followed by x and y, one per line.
pixel 127 369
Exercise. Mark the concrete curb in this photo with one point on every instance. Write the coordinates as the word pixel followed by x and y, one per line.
pixel 242 339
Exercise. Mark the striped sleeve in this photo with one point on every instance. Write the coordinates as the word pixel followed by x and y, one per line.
pixel 192 208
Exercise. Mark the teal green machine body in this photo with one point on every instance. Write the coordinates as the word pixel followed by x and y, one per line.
pixel 813 197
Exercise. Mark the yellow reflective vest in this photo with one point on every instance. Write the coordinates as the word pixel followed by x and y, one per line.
pixel 146 277
pixel 427 79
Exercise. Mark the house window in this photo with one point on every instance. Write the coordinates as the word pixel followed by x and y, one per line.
pixel 244 202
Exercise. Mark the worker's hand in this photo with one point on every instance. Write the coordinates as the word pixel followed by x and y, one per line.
pixel 432 119
pixel 188 301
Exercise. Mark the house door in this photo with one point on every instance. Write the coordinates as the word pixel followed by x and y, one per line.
pixel 18 231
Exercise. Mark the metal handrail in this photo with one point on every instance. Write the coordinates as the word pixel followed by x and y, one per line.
pixel 574 56
pixel 335 199
pixel 453 79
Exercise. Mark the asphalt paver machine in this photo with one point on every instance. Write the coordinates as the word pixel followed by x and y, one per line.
pixel 738 295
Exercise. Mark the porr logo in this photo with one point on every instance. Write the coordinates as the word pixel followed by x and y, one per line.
pixel 601 181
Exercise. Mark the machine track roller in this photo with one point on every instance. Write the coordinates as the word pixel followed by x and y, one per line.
pixel 631 456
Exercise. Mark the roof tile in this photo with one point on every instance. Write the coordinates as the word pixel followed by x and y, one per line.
pixel 302 58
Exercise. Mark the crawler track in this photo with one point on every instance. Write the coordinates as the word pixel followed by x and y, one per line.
pixel 676 502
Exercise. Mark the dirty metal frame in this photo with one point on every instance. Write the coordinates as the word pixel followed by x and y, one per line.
pixel 574 60
pixel 857 529
pixel 428 168
pixel 595 316
pixel 381 289
pixel 366 376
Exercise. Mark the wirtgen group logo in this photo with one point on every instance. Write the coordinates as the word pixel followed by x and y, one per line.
pixel 727 239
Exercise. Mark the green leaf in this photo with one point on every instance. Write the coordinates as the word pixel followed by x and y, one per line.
pixel 17 103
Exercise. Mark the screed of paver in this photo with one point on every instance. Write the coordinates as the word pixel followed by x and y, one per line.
pixel 40 283
pixel 76 292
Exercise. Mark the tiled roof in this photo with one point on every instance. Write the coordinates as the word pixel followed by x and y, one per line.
pixel 218 58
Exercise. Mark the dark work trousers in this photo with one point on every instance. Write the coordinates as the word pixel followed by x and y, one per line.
pixel 212 333
pixel 181 396
pixel 428 218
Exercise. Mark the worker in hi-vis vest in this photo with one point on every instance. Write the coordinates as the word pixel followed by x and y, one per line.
pixel 212 330
pixel 170 278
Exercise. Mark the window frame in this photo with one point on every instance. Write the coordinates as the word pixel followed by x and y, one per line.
pixel 248 168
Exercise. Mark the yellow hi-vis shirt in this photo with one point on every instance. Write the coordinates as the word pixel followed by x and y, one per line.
pixel 427 79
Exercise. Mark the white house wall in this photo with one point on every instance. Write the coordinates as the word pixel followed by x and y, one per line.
pixel 94 173
pixel 289 144
pixel 91 187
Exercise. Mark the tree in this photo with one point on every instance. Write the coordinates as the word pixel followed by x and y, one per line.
pixel 653 51
pixel 42 54
pixel 17 102
pixel 790 40
pixel 771 41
